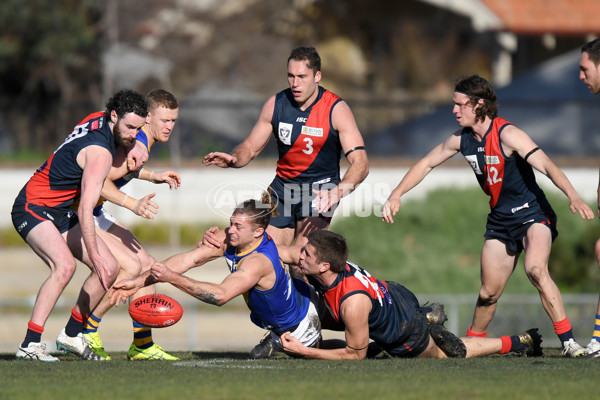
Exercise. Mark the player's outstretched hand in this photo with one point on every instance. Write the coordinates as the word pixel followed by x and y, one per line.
pixel 161 273
pixel 145 207
pixel 219 159
pixel 121 291
pixel 580 206
pixel 389 209
pixel 172 178
pixel 213 237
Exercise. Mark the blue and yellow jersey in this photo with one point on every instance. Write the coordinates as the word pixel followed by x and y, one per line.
pixel 281 307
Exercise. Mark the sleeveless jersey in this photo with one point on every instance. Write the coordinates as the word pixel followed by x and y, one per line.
pixel 279 308
pixel 393 306
pixel 509 181
pixel 58 181
pixel 309 147
pixel 119 183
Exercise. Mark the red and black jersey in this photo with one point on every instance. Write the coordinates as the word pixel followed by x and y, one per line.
pixel 509 181
pixel 309 147
pixel 58 181
pixel 393 306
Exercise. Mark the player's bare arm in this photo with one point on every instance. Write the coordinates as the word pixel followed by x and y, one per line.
pixel 354 311
pixel 179 264
pixel 250 272
pixel 514 140
pixel 353 147
pixel 249 148
pixel 418 172
pixel 289 254
pixel 95 162
pixel 143 207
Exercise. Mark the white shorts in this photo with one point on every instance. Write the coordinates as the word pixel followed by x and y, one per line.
pixel 105 220
pixel 309 330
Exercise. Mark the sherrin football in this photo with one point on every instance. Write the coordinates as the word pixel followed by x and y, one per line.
pixel 155 310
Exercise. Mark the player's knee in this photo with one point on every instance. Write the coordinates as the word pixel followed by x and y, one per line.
pixel 63 271
pixel 597 250
pixel 537 274
pixel 146 262
pixel 131 267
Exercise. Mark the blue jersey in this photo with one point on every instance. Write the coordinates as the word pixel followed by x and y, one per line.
pixel 309 147
pixel 57 182
pixel 281 307
pixel 509 181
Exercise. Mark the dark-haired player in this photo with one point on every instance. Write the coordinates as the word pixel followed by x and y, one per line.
pixel 521 219
pixel 43 217
pixel 384 311
pixel 312 127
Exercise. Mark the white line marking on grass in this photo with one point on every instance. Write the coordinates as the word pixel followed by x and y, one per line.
pixel 222 364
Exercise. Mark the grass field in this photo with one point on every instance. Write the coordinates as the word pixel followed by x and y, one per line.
pixel 232 376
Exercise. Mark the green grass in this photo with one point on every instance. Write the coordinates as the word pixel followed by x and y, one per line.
pixel 233 376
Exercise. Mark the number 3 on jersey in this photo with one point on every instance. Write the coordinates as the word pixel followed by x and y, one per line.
pixel 308 149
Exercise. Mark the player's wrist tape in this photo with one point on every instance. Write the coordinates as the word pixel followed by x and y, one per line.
pixel 124 200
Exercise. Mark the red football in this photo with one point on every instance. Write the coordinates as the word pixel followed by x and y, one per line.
pixel 156 310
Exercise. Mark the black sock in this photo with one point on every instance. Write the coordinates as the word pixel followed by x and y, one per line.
pixel 31 336
pixel 73 327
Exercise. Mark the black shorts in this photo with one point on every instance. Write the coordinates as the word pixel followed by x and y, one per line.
pixel 512 229
pixel 295 202
pixel 416 343
pixel 26 216
pixel 413 328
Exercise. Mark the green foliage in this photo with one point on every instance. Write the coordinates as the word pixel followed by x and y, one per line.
pixel 434 246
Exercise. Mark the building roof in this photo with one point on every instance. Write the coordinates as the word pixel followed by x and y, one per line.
pixel 566 17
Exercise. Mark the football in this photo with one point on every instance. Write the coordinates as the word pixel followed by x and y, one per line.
pixel 155 310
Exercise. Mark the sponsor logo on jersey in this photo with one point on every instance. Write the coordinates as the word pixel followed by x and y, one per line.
pixel 285 133
pixel 480 149
pixel 515 209
pixel 492 160
pixel 472 159
pixel 307 130
pixel 301 119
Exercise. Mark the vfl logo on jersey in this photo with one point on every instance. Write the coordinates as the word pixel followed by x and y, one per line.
pixel 472 159
pixel 307 130
pixel 284 132
pixel 492 160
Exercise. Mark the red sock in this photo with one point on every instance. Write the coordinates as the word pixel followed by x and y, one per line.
pixel 35 327
pixel 76 316
pixel 476 334
pixel 562 326
pixel 506 344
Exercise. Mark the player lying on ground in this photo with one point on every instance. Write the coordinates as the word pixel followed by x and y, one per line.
pixel 277 301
